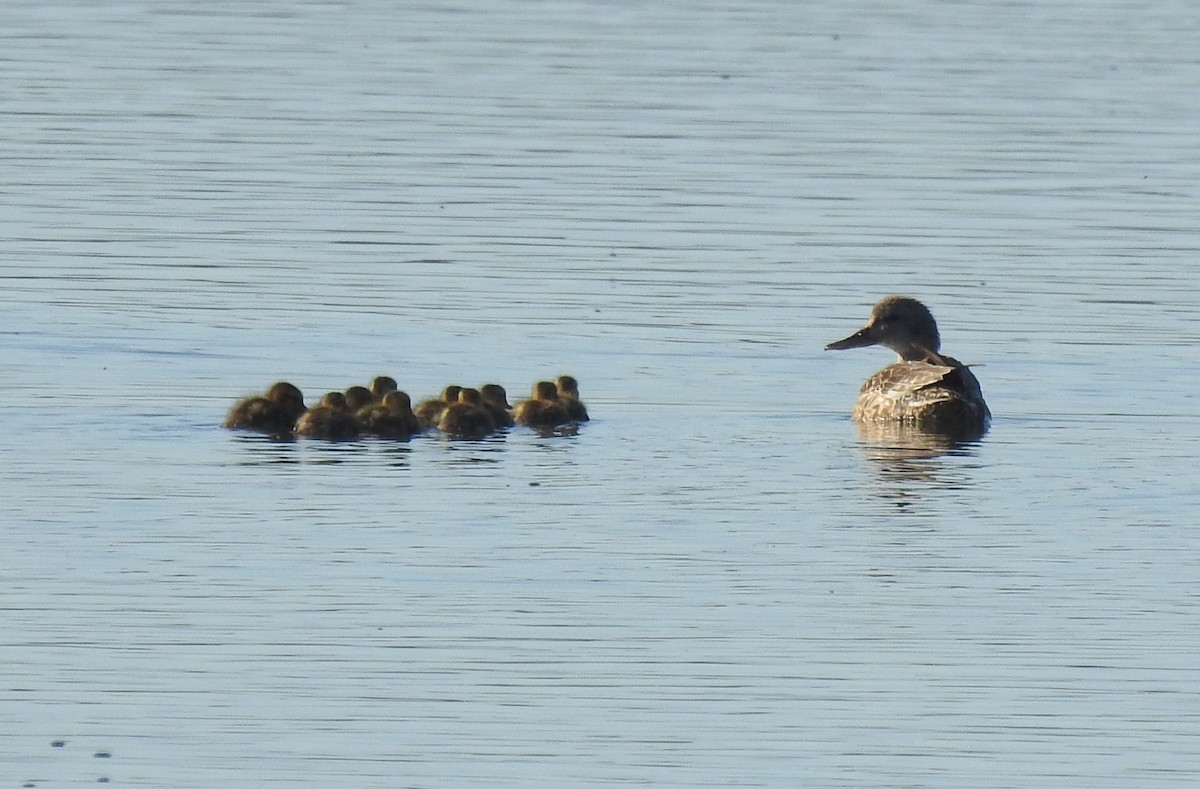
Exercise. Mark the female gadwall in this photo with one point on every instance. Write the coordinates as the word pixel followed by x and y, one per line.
pixel 923 388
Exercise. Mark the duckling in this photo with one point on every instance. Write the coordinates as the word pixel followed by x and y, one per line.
pixel 330 419
pixel 568 394
pixel 400 403
pixel 381 385
pixel 467 418
pixel 429 412
pixel 392 417
pixel 495 400
pixel 358 396
pixel 274 412
pixel 543 409
pixel 335 400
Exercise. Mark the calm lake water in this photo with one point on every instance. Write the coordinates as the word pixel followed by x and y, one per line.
pixel 716 582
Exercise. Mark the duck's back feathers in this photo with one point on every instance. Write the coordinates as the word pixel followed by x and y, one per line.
pixel 923 393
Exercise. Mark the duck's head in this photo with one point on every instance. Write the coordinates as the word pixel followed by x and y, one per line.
pixel 902 324
pixel 358 396
pixel 397 401
pixel 567 386
pixel 382 384
pixel 494 393
pixel 334 400
pixel 284 393
pixel 469 396
pixel 545 390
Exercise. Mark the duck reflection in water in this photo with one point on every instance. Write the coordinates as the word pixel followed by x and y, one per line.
pixel 913 463
pixel 924 392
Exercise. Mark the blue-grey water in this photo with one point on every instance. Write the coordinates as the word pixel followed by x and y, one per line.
pixel 716 582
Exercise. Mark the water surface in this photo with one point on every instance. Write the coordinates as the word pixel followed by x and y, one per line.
pixel 717 581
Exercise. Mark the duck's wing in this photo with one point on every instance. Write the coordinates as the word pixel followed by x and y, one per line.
pixel 924 393
pixel 904 378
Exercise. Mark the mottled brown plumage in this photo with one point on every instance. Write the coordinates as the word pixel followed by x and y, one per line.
pixel 924 388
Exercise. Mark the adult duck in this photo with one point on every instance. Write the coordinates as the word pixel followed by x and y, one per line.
pixel 924 387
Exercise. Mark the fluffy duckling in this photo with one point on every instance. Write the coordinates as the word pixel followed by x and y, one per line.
pixel 467 418
pixel 401 403
pixel 381 385
pixel 392 417
pixel 568 394
pixel 334 400
pixel 357 397
pixel 331 419
pixel 495 400
pixel 429 412
pixel 274 412
pixel 543 409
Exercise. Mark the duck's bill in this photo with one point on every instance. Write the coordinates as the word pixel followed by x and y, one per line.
pixel 860 339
